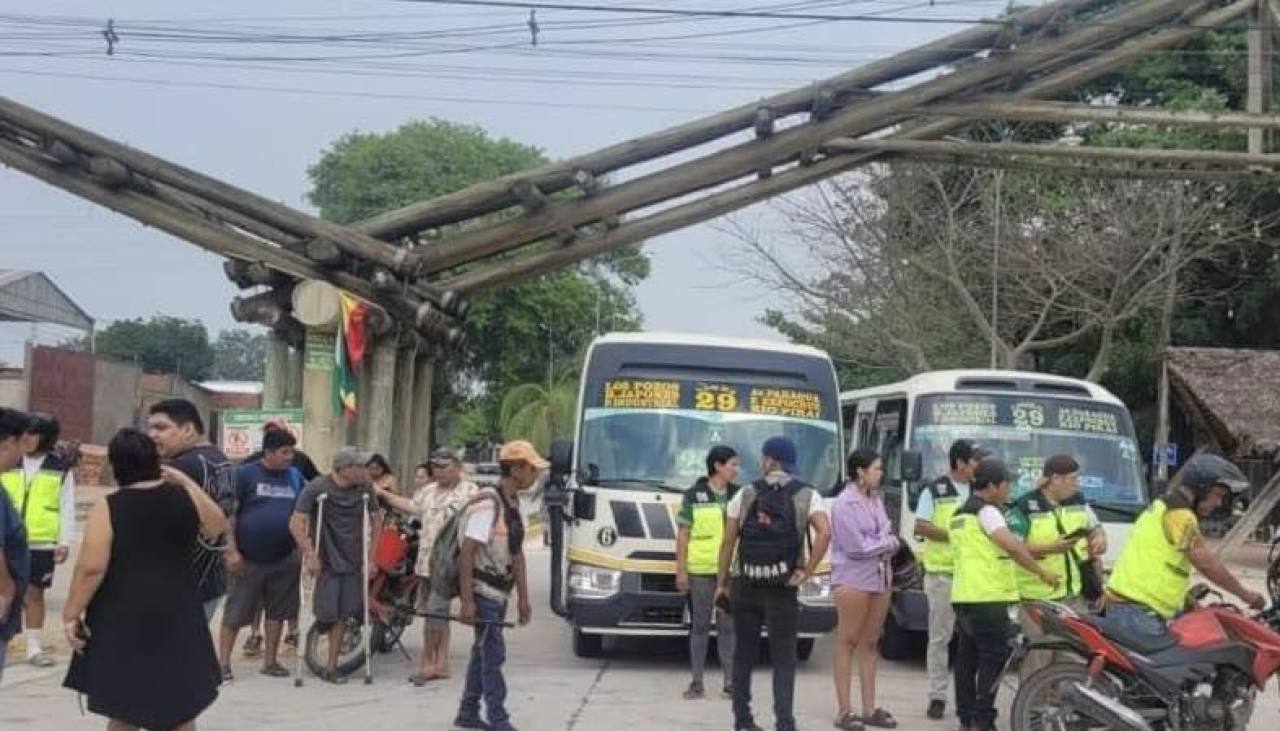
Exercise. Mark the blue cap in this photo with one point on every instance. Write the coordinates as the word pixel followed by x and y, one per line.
pixel 783 450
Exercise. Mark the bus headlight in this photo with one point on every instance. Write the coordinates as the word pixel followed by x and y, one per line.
pixel 816 590
pixel 593 582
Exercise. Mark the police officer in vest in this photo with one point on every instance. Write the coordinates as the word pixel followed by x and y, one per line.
pixel 984 584
pixel 1062 533
pixel 43 490
pixel 1151 577
pixel 701 521
pixel 938 502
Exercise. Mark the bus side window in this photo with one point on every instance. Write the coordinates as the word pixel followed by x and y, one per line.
pixel 866 436
pixel 890 430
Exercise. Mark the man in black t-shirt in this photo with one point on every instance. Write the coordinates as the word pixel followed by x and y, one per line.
pixel 178 431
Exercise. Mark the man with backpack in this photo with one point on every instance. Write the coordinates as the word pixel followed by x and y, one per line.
pixel 767 553
pixel 483 548
pixel 178 431
pixel 939 501
pixel 260 551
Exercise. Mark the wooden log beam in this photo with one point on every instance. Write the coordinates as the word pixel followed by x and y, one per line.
pixel 202 233
pixel 726 201
pixel 748 158
pixel 492 195
pixel 1097 169
pixel 237 199
pixel 966 150
pixel 1039 111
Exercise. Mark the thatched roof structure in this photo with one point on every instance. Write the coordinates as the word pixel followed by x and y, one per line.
pixel 1231 396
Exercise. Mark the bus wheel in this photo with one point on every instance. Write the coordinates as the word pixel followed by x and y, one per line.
pixel 899 643
pixel 587 646
pixel 804 648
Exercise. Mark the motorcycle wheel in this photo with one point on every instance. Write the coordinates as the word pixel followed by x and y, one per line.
pixel 350 658
pixel 1037 705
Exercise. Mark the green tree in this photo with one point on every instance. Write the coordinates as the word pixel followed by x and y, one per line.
pixel 239 355
pixel 512 333
pixel 162 344
pixel 539 413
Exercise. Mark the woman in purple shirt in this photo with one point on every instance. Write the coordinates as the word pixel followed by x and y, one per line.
pixel 862 545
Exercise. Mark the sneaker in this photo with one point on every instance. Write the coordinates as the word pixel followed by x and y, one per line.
pixel 291 640
pixel 727 692
pixel 937 709
pixel 252 646
pixel 470 722
pixel 42 660
pixel 695 691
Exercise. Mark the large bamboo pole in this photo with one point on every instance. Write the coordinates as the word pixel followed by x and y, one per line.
pixel 964 150
pixel 198 184
pixel 1039 111
pixel 492 195
pixel 721 203
pixel 748 158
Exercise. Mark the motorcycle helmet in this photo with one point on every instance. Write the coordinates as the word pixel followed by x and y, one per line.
pixel 1206 470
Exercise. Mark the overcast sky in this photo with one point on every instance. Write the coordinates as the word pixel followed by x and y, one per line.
pixel 251 92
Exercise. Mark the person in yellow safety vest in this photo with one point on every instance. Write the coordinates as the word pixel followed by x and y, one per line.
pixel 1061 533
pixel 1152 575
pixel 43 489
pixel 984 585
pixel 938 502
pixel 701 521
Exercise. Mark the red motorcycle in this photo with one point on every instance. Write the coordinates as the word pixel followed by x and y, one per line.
pixel 1203 675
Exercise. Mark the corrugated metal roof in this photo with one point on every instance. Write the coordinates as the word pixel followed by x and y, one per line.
pixel 27 296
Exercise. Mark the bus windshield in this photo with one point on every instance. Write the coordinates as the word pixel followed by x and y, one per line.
pixel 666 449
pixel 1025 430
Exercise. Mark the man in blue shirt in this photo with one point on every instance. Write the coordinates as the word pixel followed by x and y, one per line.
pixel 15 568
pixel 260 556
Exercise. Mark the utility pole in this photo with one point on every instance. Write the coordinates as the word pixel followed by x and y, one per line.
pixel 995 271
pixel 1259 89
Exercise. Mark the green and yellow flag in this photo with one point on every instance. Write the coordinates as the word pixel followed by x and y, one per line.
pixel 348 354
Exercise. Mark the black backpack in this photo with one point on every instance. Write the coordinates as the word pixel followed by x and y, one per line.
pixel 769 540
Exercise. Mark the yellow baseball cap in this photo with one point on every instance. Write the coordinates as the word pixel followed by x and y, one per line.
pixel 522 451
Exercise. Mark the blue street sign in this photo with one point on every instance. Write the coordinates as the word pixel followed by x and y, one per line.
pixel 1170 453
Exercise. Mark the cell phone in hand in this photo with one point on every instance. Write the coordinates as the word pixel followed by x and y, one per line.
pixel 722 603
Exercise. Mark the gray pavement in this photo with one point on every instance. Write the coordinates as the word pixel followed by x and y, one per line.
pixel 638 684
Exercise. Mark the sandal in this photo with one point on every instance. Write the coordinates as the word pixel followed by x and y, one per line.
pixel 276 670
pixel 227 675
pixel 880 718
pixel 331 676
pixel 420 680
pixel 847 722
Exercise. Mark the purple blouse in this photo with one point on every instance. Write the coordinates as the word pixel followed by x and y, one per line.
pixel 862 542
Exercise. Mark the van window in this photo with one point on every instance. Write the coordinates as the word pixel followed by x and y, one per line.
pixel 889 430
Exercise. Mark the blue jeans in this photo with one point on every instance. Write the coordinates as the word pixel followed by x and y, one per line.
pixel 484 671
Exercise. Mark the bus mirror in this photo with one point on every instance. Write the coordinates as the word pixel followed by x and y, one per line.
pixel 584 505
pixel 910 467
pixel 561 458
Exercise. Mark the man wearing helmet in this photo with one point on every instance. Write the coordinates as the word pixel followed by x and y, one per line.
pixel 1150 581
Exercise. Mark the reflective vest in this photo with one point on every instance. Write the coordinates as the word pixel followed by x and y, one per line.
pixel 37 500
pixel 1048 523
pixel 706 530
pixel 1151 570
pixel 983 572
pixel 938 556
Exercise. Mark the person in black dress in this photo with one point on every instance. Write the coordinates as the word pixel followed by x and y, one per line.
pixel 143 653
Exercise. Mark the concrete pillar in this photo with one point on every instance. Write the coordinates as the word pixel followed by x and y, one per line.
pixel 276 375
pixel 402 447
pixel 420 420
pixel 293 379
pixel 382 378
pixel 364 393
pixel 318 434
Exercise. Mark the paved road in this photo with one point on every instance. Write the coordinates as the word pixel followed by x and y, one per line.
pixel 638 684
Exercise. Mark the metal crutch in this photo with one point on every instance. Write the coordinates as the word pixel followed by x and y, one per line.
pixel 302 579
pixel 366 629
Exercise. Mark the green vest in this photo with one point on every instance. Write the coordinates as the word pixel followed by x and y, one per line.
pixel 983 572
pixel 706 531
pixel 37 500
pixel 1048 523
pixel 938 556
pixel 1151 570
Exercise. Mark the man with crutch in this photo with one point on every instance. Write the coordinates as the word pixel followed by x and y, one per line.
pixel 339 558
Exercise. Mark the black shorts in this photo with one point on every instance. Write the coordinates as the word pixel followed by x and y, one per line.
pixel 338 597
pixel 271 587
pixel 42 565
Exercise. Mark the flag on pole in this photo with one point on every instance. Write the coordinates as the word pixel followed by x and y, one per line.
pixel 348 354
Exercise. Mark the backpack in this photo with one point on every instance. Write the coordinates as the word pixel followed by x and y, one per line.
pixel 769 540
pixel 446 550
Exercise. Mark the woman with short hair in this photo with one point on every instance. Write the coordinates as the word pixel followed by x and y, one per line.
pixel 144 656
